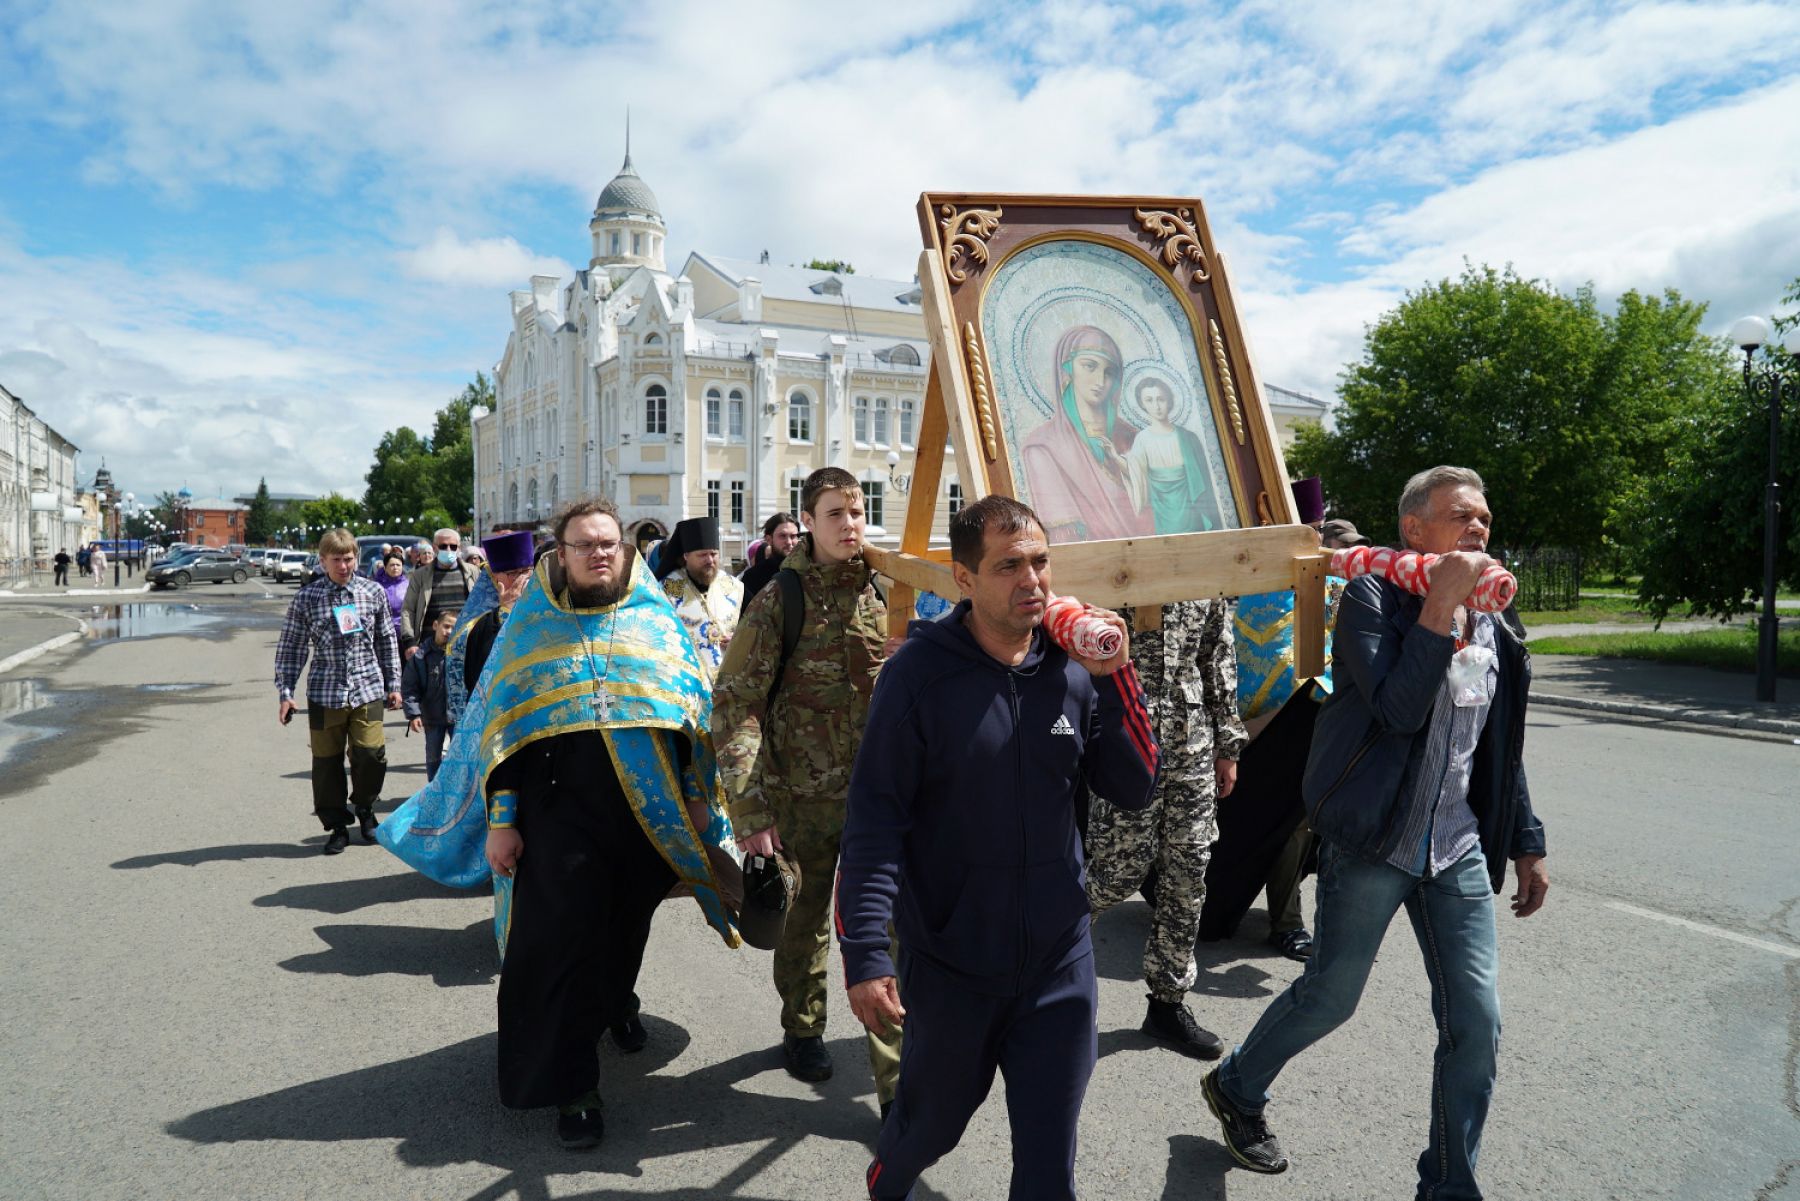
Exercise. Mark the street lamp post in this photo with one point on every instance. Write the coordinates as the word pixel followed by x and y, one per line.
pixel 1750 334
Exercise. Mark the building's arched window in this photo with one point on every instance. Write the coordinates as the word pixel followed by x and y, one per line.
pixel 637 244
pixel 903 355
pixel 652 339
pixel 553 493
pixel 512 501
pixel 860 425
pixel 881 421
pixel 908 419
pixel 656 410
pixel 615 242
pixel 715 413
pixel 531 506
pixel 734 413
pixel 799 416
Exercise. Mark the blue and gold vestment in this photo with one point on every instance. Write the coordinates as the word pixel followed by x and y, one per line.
pixel 627 670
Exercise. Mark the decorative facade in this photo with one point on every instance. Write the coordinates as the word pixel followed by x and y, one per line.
pixel 714 390
pixel 40 509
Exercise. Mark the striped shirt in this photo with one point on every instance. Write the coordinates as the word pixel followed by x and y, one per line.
pixel 348 669
pixel 1438 826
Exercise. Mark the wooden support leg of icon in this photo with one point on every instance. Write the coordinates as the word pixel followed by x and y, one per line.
pixel 922 499
pixel 1309 615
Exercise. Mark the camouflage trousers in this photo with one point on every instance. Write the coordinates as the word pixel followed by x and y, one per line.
pixel 810 835
pixel 1174 836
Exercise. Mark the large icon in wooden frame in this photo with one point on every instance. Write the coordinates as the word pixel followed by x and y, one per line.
pixel 1087 358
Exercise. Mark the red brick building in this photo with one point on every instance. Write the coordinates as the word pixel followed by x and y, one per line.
pixel 211 521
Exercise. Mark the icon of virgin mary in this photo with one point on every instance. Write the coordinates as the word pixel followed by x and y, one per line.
pixel 1075 464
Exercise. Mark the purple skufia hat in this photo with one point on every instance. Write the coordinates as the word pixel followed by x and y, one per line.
pixel 1309 499
pixel 508 552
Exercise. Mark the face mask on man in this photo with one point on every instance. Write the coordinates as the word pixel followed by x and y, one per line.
pixel 446 558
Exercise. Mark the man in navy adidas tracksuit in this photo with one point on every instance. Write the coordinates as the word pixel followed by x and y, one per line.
pixel 980 732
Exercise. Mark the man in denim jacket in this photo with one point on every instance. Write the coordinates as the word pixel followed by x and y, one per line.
pixel 1416 787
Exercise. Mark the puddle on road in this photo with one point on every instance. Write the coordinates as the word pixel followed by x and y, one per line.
pixel 19 697
pixel 111 623
pixel 170 687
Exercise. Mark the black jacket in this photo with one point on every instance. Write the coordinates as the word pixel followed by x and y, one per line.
pixel 964 788
pixel 758 574
pixel 422 685
pixel 1388 671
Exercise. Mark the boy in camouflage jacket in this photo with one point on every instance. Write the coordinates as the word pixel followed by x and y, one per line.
pixel 786 762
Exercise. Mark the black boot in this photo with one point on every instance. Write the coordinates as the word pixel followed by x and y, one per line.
pixel 807 1058
pixel 580 1124
pixel 1170 1023
pixel 365 820
pixel 340 838
pixel 629 1035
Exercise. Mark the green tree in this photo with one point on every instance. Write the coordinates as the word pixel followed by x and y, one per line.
pixel 1701 516
pixel 400 479
pixel 839 266
pixel 1560 407
pixel 329 512
pixel 453 449
pixel 412 474
pixel 259 522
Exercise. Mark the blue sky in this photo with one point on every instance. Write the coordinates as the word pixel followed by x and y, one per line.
pixel 244 240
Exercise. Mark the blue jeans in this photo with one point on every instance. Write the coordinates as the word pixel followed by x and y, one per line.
pixel 1453 918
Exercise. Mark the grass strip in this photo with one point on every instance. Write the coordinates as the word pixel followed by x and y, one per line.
pixel 1726 649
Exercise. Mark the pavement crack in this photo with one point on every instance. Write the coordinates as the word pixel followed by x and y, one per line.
pixel 1782 1175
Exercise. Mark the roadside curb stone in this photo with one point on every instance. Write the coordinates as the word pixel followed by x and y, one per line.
pixel 1675 713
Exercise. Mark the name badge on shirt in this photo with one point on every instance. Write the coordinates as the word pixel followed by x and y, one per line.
pixel 348 617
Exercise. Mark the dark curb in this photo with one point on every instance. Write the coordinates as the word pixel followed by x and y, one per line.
pixel 1722 721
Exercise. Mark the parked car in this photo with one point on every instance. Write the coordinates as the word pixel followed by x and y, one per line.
pixel 291 567
pixel 368 550
pixel 213 566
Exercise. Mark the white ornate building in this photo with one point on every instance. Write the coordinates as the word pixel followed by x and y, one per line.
pixel 40 509
pixel 717 389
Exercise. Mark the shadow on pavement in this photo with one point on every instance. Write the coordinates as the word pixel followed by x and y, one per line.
pixel 1119 937
pixel 1197 1168
pixel 442 1108
pixel 232 854
pixel 346 896
pixel 450 957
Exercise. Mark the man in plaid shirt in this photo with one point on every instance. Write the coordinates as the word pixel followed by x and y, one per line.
pixel 342 619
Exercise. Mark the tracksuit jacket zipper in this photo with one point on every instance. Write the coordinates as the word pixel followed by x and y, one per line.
pixel 1012 685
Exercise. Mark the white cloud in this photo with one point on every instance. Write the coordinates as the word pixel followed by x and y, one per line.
pixel 477 262
pixel 1526 131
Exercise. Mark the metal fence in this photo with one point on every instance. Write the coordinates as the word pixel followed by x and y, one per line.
pixel 1549 577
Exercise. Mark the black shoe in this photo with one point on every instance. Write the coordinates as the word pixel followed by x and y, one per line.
pixel 885 1106
pixel 581 1124
pixel 629 1035
pixel 1247 1136
pixel 807 1058
pixel 1295 944
pixel 340 838
pixel 365 818
pixel 1170 1023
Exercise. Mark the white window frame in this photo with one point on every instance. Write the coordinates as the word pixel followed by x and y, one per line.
pixel 874 502
pixel 713 491
pixel 736 407
pixel 909 422
pixel 656 414
pixel 880 425
pixel 859 421
pixel 714 406
pixel 737 502
pixel 800 405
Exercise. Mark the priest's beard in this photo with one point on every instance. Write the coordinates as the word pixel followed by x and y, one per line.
pixel 597 596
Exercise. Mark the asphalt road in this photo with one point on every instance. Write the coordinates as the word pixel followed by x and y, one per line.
pixel 200 1005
